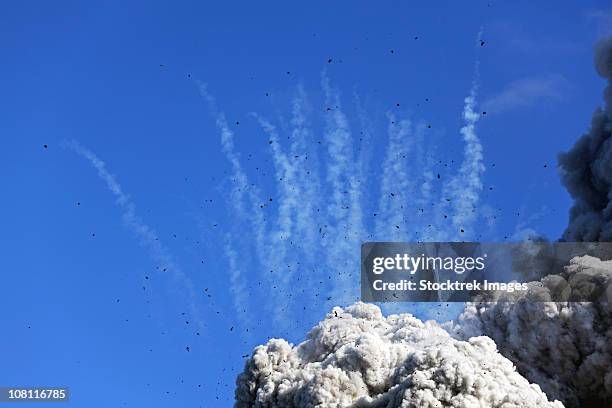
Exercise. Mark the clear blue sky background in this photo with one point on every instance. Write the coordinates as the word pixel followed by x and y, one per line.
pixel 81 302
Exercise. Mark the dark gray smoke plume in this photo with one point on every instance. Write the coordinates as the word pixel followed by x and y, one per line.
pixel 586 169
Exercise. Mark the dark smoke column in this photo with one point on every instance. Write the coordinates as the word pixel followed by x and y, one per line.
pixel 586 169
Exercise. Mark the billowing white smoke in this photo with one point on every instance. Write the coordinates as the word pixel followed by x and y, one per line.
pixel 356 357
pixel 564 347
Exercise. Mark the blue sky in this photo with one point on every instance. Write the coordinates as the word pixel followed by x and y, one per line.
pixel 85 300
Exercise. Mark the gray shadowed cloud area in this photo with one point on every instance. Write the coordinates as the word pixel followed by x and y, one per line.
pixel 564 347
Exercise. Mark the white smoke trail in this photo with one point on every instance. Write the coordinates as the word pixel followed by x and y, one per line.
pixel 145 233
pixel 307 189
pixel 241 183
pixel 245 198
pixel 397 187
pixel 424 199
pixel 461 195
pixel 237 284
pixel 466 190
pixel 345 205
pixel 365 140
pixel 288 205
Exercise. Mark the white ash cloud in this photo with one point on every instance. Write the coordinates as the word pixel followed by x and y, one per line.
pixel 564 347
pixel 356 357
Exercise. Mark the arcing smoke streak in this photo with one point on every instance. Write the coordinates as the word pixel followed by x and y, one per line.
pixel 346 229
pixel 466 196
pixel 146 234
pixel 295 238
pixel 244 197
pixel 397 189
pixel 240 180
pixel 462 193
pixel 238 287
pixel 307 188
pixel 287 207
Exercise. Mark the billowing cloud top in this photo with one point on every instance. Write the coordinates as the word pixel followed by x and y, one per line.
pixel 356 357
